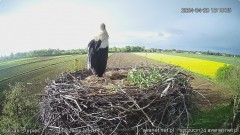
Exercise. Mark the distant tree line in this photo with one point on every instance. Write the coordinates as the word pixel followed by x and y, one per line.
pixel 207 53
pixel 44 52
pixel 143 49
pixel 127 49
pixel 56 52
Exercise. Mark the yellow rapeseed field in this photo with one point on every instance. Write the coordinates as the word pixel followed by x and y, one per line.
pixel 204 67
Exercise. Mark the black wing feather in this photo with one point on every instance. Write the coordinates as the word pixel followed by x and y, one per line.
pixel 93 48
pixel 98 43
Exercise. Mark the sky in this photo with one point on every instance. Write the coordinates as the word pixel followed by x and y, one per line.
pixel 27 25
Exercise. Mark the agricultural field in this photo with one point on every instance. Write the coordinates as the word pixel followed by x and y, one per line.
pixel 35 71
pixel 223 59
pixel 200 66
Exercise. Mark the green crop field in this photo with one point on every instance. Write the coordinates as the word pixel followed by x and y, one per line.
pixel 37 70
pixel 224 59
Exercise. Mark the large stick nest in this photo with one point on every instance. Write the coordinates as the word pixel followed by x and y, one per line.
pixel 82 103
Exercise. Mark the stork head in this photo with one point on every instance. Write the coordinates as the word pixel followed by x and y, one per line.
pixel 102 26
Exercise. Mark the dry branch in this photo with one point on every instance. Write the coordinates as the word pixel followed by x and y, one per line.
pixel 72 108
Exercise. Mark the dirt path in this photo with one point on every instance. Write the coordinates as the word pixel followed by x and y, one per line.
pixel 213 92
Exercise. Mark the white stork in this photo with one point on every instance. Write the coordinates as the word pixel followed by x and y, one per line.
pixel 98 52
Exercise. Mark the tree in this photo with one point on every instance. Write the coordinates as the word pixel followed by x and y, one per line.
pixel 127 49
pixel 20 109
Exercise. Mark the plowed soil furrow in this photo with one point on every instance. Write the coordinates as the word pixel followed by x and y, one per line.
pixel 126 60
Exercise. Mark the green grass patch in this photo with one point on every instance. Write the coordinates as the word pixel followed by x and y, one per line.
pixel 146 78
pixel 211 119
pixel 229 75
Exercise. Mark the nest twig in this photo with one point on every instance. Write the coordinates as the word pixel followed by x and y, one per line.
pixel 71 108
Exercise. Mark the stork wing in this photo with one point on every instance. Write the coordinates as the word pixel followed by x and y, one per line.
pixel 98 44
pixel 93 47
